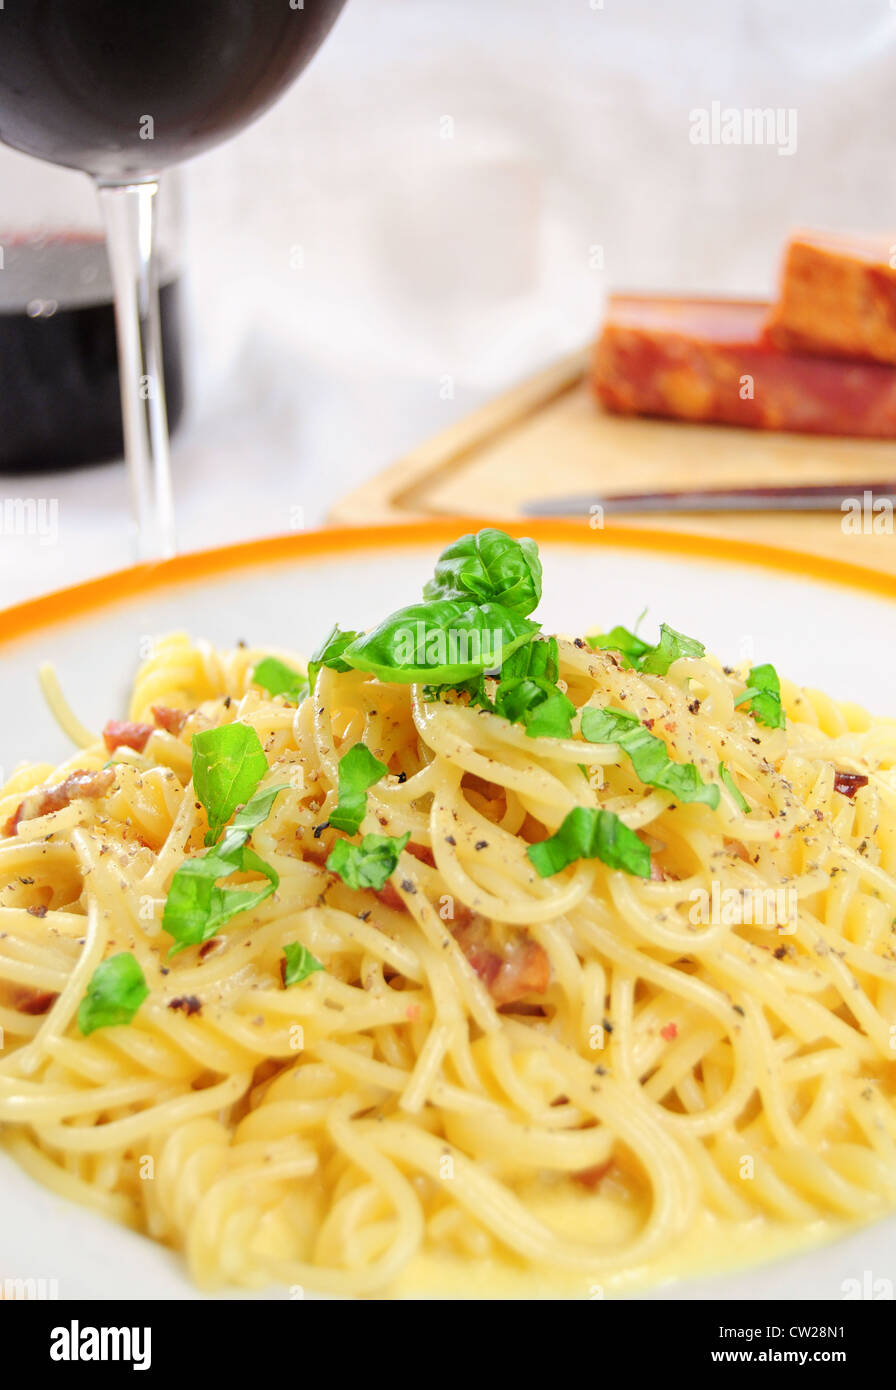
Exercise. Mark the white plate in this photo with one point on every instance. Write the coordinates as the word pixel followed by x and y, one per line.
pixel 830 632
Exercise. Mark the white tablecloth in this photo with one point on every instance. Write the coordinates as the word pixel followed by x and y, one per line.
pixel 438 207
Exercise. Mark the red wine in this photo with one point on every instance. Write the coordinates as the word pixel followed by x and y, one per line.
pixel 60 403
pixel 123 88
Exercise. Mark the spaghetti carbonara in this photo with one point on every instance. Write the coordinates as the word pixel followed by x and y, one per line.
pixel 548 959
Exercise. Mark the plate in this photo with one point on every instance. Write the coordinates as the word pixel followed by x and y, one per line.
pixel 822 625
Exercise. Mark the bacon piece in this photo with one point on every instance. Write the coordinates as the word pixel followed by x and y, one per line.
pixel 33 1001
pixel 124 734
pixel 690 359
pixel 848 783
pixel 522 968
pixel 388 894
pixel 44 800
pixel 187 1003
pixel 592 1177
pixel 172 720
pixel 837 297
pixel 670 1032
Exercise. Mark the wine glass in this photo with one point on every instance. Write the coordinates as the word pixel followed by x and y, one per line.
pixel 121 91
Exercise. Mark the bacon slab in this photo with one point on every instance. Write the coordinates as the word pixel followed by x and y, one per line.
pixel 836 298
pixel 44 800
pixel 709 360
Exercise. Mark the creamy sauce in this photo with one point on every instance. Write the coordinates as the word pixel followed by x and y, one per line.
pixel 710 1246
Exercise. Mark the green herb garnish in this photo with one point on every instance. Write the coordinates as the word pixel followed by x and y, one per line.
pixel 300 963
pixel 274 676
pixel 489 567
pixel 198 904
pixel 740 800
pixel 441 642
pixel 329 653
pixel 368 864
pixel 228 764
pixel 648 754
pixel 764 695
pixel 640 655
pixel 358 771
pixel 587 833
pixel 116 990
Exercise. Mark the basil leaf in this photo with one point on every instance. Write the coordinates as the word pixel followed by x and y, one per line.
pixel 256 810
pixel 741 801
pixel 764 695
pixel 619 639
pixel 648 755
pixel 671 647
pixel 489 566
pixel 197 906
pixel 537 703
pixel 116 990
pixel 228 764
pixel 329 653
pixel 474 688
pixel 358 770
pixel 277 678
pixel 368 864
pixel 440 642
pixel 640 655
pixel 587 833
pixel 538 659
pixel 300 963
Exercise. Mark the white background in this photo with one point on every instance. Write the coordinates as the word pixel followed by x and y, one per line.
pixel 413 227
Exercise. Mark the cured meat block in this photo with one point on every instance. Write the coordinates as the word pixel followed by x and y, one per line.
pixel 710 360
pixel 837 298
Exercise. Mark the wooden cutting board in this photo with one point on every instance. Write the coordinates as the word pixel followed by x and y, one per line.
pixel 549 438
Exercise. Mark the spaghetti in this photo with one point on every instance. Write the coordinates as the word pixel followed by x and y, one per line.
pixel 548 1076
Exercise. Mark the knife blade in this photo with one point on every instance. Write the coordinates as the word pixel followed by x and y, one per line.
pixel 799 497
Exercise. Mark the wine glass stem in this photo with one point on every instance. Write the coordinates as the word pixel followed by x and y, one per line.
pixel 129 211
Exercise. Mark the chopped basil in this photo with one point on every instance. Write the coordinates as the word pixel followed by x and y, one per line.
pixel 764 695
pixel 329 653
pixel 489 567
pixel 274 676
pixel 368 864
pixel 358 771
pixel 739 798
pixel 654 660
pixel 619 639
pixel 116 990
pixel 648 754
pixel 300 963
pixel 256 810
pixel 197 906
pixel 228 764
pixel 538 704
pixel 587 833
pixel 526 692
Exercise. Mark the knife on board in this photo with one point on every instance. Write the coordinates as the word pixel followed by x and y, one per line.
pixel 799 497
